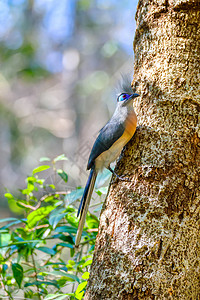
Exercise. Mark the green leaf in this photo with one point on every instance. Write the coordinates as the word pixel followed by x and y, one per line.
pixel 62 174
pixel 68 229
pixel 38 215
pixel 56 216
pixel 74 195
pixel 3 231
pixel 13 204
pixel 8 219
pixel 69 277
pixel 51 198
pixel 31 179
pixel 72 251
pixel 4 238
pixel 4 268
pixel 44 159
pixel 79 291
pixel 52 186
pixel 102 178
pixel 86 275
pixel 50 297
pixel 21 243
pixel 73 277
pixel 8 196
pixel 40 182
pixel 102 190
pixel 60 157
pixel 81 286
pixel 55 273
pixel 11 224
pixel 71 262
pixel 92 221
pixel 18 273
pixel 64 238
pixel 40 169
pixel 46 250
pixel 80 295
pixel 56 297
pixel 55 263
pixel 65 245
pixel 87 263
pixel 38 283
pixel 62 297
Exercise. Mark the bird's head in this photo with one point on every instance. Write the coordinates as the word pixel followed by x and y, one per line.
pixel 125 99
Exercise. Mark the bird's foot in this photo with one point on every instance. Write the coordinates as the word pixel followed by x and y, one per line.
pixel 118 176
pixel 123 178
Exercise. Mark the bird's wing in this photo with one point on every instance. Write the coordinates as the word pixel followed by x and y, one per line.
pixel 108 135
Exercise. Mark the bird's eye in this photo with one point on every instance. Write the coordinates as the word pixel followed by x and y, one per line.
pixel 122 97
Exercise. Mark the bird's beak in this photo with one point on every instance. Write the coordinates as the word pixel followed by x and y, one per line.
pixel 134 96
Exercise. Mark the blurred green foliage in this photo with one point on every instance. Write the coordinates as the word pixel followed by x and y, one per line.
pixel 59 63
pixel 34 248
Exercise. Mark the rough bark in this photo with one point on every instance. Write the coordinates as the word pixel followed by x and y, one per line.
pixel 148 245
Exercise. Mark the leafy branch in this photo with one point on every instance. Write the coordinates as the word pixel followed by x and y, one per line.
pixel 32 247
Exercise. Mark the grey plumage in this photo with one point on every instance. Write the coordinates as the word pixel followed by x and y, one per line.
pixel 109 134
pixel 108 145
pixel 124 85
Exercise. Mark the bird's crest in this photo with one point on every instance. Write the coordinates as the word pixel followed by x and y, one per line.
pixel 124 85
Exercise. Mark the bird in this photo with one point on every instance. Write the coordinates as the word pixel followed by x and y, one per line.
pixel 107 147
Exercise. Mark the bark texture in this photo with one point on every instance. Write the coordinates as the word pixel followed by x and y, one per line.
pixel 148 245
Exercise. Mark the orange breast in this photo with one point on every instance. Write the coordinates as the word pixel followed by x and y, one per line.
pixel 130 126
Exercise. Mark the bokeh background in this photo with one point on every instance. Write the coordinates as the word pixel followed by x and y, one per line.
pixel 60 63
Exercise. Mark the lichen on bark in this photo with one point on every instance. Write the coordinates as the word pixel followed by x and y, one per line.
pixel 148 245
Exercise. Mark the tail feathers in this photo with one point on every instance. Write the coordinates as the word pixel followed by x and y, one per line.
pixel 85 201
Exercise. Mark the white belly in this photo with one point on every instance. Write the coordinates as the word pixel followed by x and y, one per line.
pixel 107 157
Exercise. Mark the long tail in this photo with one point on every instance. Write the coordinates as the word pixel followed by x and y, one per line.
pixel 85 201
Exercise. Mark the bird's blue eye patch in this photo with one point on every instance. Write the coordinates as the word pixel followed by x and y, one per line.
pixel 123 97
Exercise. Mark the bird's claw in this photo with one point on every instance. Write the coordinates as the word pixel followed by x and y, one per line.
pixel 123 178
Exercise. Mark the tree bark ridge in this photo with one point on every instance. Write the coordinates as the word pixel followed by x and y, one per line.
pixel 148 245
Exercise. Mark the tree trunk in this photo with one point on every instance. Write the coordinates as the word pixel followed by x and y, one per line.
pixel 148 245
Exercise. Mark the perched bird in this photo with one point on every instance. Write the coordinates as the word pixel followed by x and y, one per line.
pixel 107 147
